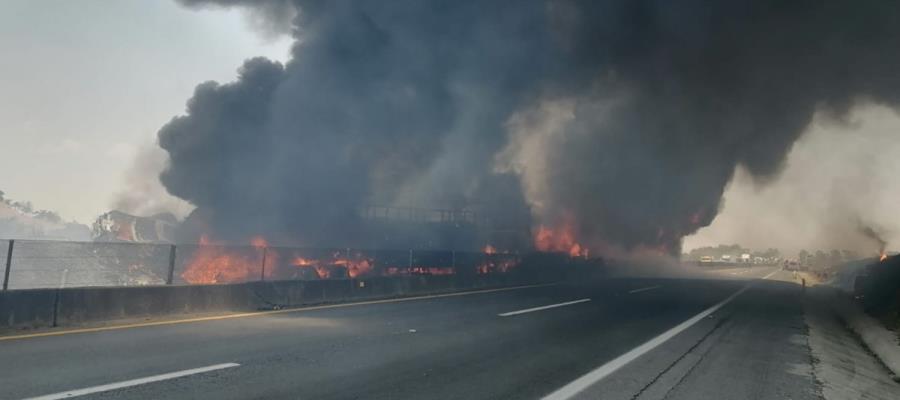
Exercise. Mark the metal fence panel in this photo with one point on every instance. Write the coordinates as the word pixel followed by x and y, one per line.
pixel 211 263
pixel 316 263
pixel 41 264
pixel 433 259
pixel 385 259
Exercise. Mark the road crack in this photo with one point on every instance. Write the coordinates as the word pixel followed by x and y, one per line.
pixel 721 322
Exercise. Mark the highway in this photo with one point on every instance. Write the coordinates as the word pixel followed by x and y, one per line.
pixel 615 339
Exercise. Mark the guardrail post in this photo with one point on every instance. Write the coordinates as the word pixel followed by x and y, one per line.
pixel 9 250
pixel 262 270
pixel 171 276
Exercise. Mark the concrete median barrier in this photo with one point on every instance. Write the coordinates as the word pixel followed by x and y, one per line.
pixel 43 308
pixel 27 308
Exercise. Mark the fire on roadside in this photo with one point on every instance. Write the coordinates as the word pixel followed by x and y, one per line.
pixel 214 263
pixel 559 239
pixel 355 266
pixel 494 262
pixel 491 266
pixel 420 271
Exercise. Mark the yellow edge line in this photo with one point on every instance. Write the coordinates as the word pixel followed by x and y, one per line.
pixel 261 313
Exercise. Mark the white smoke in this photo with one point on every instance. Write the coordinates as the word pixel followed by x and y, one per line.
pixel 840 175
pixel 142 193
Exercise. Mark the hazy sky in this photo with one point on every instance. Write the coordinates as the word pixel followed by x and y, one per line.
pixel 839 175
pixel 85 84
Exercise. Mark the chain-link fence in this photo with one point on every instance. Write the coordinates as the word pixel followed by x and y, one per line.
pixel 50 264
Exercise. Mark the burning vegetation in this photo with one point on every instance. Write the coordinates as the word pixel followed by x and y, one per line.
pixel 214 263
pixel 355 266
pixel 561 239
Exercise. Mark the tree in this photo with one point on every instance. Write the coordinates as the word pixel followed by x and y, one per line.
pixel 849 255
pixel 49 216
pixel 835 257
pixel 820 259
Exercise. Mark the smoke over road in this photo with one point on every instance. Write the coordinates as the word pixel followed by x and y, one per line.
pixel 838 179
pixel 620 120
pixel 875 237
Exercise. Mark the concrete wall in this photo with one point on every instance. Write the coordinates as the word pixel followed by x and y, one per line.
pixel 41 308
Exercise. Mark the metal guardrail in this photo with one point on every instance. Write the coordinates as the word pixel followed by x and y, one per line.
pixel 51 264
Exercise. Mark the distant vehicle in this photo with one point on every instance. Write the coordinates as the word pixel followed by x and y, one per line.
pixel 791 265
pixel 726 258
pixel 745 258
pixel 706 259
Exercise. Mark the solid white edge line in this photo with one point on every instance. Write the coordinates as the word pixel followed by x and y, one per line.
pixel 577 386
pixel 133 382
pixel 528 310
pixel 645 289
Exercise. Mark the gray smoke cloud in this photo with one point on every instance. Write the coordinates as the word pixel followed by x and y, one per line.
pixel 269 17
pixel 622 119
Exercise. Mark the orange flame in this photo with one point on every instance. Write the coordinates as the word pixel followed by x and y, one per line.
pixel 214 263
pixel 259 242
pixel 302 262
pixel 882 257
pixel 494 266
pixel 322 271
pixel 488 249
pixel 420 271
pixel 355 267
pixel 561 239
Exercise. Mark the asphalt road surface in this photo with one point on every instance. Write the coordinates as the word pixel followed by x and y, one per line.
pixel 620 338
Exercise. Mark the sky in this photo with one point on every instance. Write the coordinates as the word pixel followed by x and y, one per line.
pixel 85 85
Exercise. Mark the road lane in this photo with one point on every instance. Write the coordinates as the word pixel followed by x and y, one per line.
pixel 542 308
pixel 577 386
pixel 177 321
pixel 134 382
pixel 460 347
pixel 753 348
pixel 644 289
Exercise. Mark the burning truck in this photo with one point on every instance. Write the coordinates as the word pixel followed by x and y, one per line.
pixel 117 226
pixel 390 241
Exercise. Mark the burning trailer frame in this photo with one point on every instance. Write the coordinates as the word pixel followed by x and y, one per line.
pixel 209 263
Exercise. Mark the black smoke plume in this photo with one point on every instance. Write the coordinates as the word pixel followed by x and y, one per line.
pixel 869 233
pixel 623 118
